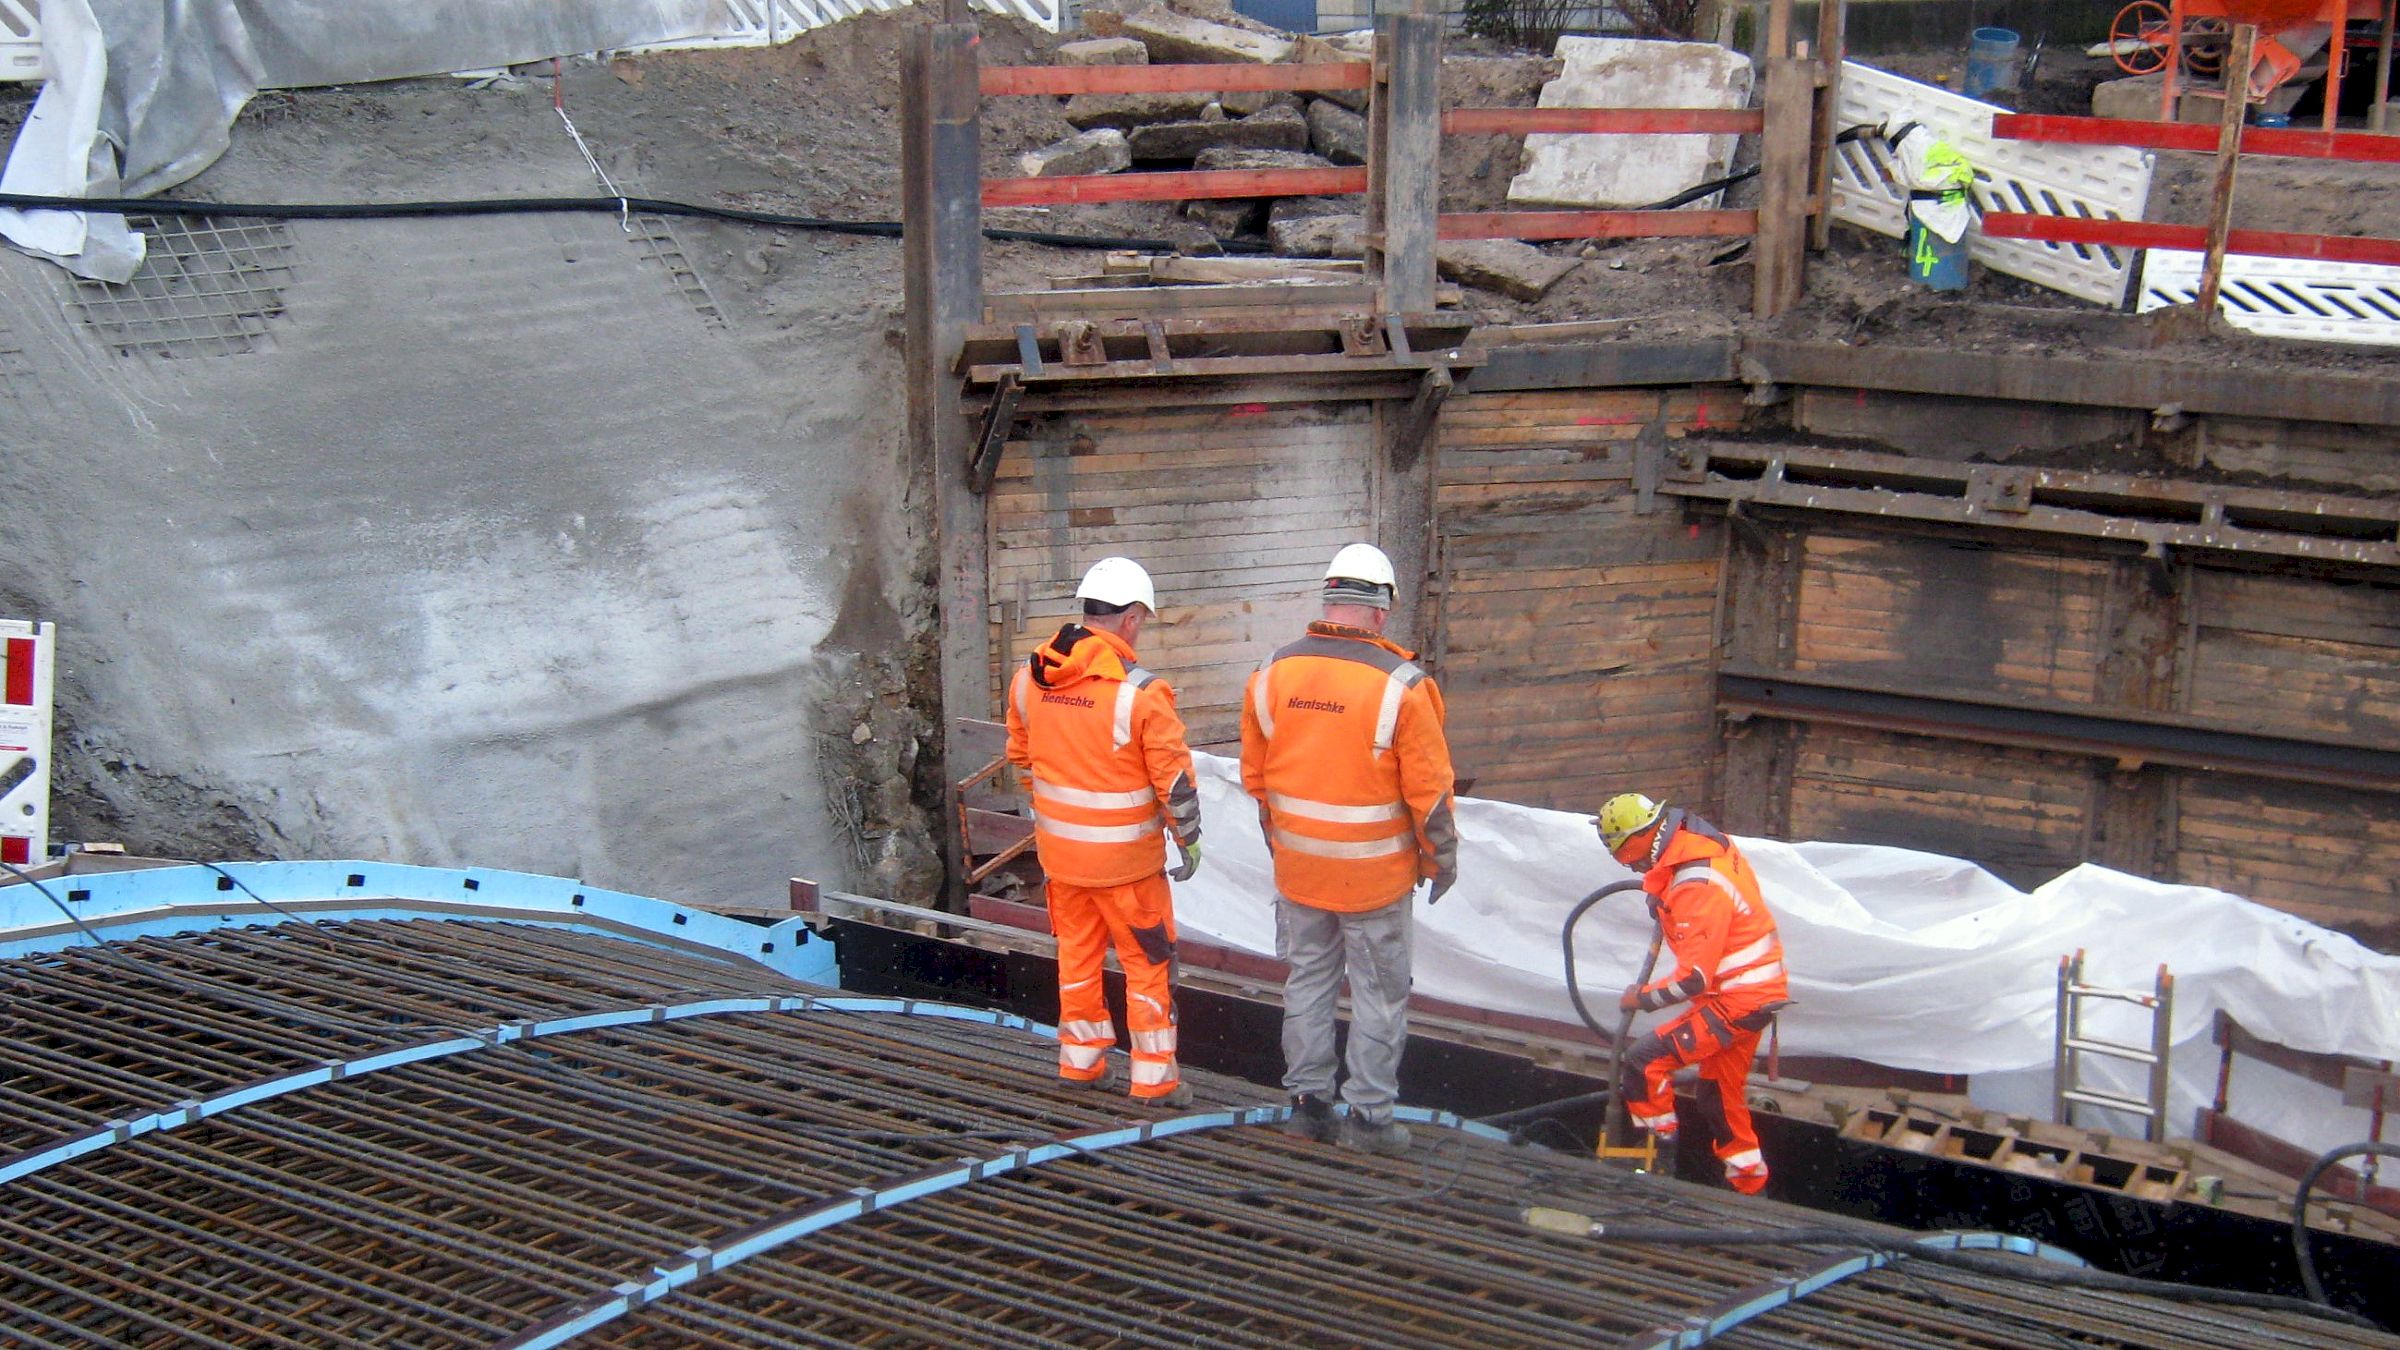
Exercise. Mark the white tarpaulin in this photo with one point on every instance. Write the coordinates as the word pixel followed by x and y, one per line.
pixel 1901 958
pixel 142 95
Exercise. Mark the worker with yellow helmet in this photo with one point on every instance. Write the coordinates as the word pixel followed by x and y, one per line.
pixel 1728 966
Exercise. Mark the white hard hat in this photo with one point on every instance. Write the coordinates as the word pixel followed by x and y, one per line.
pixel 1360 575
pixel 1118 581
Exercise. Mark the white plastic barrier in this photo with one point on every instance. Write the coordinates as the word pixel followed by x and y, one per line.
pixel 25 667
pixel 2094 182
pixel 2284 297
pixel 20 40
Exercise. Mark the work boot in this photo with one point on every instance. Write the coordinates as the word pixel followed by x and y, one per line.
pixel 1665 1166
pixel 1389 1138
pixel 1312 1118
pixel 1174 1099
pixel 1111 1078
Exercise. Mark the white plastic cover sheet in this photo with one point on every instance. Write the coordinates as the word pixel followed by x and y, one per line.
pixel 142 95
pixel 1902 958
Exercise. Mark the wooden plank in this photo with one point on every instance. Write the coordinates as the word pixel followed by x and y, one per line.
pixel 1177 185
pixel 1168 78
pixel 1596 224
pixel 1195 367
pixel 1601 365
pixel 1602 121
pixel 1401 224
pixel 1002 307
pixel 1779 258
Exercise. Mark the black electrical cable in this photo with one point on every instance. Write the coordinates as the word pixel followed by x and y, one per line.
pixel 501 206
pixel 2308 1181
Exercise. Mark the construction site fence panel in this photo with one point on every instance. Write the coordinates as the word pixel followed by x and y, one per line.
pixel 2284 297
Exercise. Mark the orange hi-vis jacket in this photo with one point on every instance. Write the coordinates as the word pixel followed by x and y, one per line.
pixel 1342 745
pixel 1716 920
pixel 1102 747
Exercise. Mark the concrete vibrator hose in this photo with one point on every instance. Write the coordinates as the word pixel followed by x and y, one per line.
pixel 1614 1125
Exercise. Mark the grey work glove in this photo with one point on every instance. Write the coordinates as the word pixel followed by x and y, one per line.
pixel 1191 860
pixel 1441 887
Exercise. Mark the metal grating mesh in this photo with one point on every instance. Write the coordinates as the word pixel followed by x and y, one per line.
pixel 15 368
pixel 209 286
pixel 658 245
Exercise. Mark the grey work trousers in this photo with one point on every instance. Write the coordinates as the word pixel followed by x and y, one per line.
pixel 1372 947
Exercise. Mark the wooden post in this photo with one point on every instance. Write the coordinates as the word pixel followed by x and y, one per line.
pixel 1779 31
pixel 1825 114
pixel 2383 66
pixel 2229 155
pixel 942 289
pixel 1404 142
pixel 1779 255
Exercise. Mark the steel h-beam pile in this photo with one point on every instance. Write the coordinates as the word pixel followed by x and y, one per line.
pixel 439 1133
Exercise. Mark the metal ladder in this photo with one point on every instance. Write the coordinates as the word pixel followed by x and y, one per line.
pixel 2073 1045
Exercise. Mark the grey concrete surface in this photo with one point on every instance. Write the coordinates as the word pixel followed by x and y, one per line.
pixel 494 548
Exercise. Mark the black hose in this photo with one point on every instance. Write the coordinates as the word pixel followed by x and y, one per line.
pixel 501 206
pixel 1566 940
pixel 2308 1181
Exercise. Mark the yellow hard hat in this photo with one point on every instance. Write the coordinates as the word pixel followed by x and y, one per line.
pixel 1624 816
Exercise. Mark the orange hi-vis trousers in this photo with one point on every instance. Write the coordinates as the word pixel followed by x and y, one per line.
pixel 1138 919
pixel 1723 1050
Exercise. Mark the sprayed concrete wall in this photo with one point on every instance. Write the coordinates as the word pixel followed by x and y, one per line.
pixel 520 541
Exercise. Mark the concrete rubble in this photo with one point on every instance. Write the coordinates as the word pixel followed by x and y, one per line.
pixel 1341 236
pixel 1632 171
pixel 1517 270
pixel 1277 128
pixel 1337 133
pixel 1117 51
pixel 1173 37
pixel 1100 150
pixel 1126 111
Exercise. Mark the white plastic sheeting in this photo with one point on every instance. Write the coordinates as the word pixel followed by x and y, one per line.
pixel 1905 959
pixel 142 96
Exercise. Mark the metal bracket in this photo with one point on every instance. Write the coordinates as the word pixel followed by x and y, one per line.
pixel 999 418
pixel 2004 490
pixel 1079 345
pixel 1029 349
pixel 1361 336
pixel 1417 420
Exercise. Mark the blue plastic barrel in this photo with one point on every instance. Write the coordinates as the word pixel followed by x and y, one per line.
pixel 1934 262
pixel 1991 62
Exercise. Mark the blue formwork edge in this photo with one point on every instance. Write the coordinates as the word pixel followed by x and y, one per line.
pixel 161 901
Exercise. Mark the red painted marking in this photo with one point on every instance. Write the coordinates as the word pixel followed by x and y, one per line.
pixel 19 687
pixel 17 849
pixel 1700 417
pixel 2365 147
pixel 1603 121
pixel 1245 410
pixel 1695 531
pixel 2145 234
pixel 1173 186
pixel 1174 79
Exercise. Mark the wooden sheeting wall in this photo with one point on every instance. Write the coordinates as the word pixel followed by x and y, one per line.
pixel 1233 509
pixel 2024 815
pixel 1574 631
pixel 2310 658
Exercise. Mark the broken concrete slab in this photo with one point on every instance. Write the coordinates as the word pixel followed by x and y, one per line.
pixel 1274 129
pixel 1248 102
pixel 1623 171
pixel 1310 50
pixel 2136 98
pixel 1100 150
pixel 1226 218
pixel 1518 271
pixel 1111 51
pixel 1320 237
pixel 1293 209
pixel 1173 37
pixel 1085 111
pixel 1235 157
pixel 1337 133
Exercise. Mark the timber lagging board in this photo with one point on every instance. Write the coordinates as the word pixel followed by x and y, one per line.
pixel 1574 629
pixel 1234 509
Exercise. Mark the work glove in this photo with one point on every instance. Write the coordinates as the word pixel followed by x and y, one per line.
pixel 1191 860
pixel 1441 887
pixel 1631 999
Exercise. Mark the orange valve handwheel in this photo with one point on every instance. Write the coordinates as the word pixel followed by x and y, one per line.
pixel 2144 22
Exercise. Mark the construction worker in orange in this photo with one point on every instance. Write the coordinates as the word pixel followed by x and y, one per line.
pixel 1342 745
pixel 1728 966
pixel 1102 749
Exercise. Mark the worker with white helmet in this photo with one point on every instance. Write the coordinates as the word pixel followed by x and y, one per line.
pixel 1103 752
pixel 1342 745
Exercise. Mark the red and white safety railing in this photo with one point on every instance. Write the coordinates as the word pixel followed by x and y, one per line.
pixel 25 670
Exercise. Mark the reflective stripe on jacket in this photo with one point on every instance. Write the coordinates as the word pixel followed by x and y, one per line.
pixel 1105 761
pixel 1716 920
pixel 1342 745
